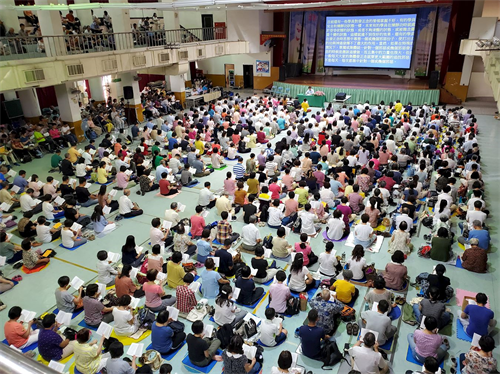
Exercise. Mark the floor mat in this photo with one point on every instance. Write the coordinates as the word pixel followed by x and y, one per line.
pixel 192 185
pixel 167 197
pixel 460 294
pixel 126 340
pixel 375 247
pixel 71 249
pixel 254 304
pixel 46 363
pixel 461 334
pixel 310 293
pixel 325 236
pixel 170 355
pixel 83 324
pixel 25 270
pixel 31 347
pixel 199 369
pixel 395 313
pixel 410 358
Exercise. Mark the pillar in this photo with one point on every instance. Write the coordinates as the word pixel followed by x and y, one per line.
pixel 10 95
pixel 30 104
pixel 96 90
pixel 177 85
pixel 9 16
pixel 50 24
pixel 133 106
pixel 84 15
pixel 120 19
pixel 69 108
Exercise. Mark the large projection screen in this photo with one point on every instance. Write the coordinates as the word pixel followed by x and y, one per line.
pixel 370 41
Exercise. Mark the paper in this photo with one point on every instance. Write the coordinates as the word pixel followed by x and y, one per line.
pixel 64 318
pixel 3 259
pixel 76 226
pixel 27 315
pixel 195 286
pixel 92 151
pixel 216 261
pixel 236 293
pixel 161 276
pixel 134 303
pixel 106 210
pixel 208 330
pixel 55 183
pixel 249 351
pixel 104 330
pixel 364 331
pixel 102 289
pixel 268 252
pixel 135 349
pixel 112 193
pixel 12 173
pixel 5 207
pixel 422 326
pixel 87 185
pixel 59 200
pixel 475 340
pixel 250 316
pixel 173 312
pixel 181 207
pixel 139 249
pixel 128 172
pixel 15 348
pixel 333 296
pixel 108 167
pixel 146 163
pixel 76 283
pixel 141 148
pixel 288 230
pixel 15 189
pixel 40 184
pixel 57 366
pixel 72 181
pixel 253 271
pixel 37 201
pixel 185 258
pixel 114 257
pixel 133 273
pixel 80 151
pixel 152 178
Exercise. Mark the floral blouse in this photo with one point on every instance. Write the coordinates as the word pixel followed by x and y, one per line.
pixel 478 364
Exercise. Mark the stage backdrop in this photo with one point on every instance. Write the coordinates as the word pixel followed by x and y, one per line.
pixel 307 37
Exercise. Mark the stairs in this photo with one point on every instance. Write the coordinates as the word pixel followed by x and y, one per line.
pixel 189 35
pixel 446 97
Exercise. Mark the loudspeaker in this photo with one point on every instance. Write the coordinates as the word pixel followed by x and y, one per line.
pixel 293 70
pixel 282 74
pixel 434 79
pixel 340 96
pixel 128 92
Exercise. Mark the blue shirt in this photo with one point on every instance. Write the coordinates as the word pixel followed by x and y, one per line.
pixel 20 182
pixel 171 143
pixel 100 225
pixel 239 170
pixel 204 247
pixel 310 337
pixel 334 186
pixel 150 125
pixel 210 283
pixel 483 236
pixel 479 318
pixel 161 338
pixel 135 131
pixel 281 123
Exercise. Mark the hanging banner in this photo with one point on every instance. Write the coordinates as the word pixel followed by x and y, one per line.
pixel 294 37
pixel 426 18
pixel 444 13
pixel 309 40
pixel 320 44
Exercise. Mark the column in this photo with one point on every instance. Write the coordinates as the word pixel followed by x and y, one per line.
pixel 10 95
pixel 133 105
pixel 96 90
pixel 120 19
pixel 50 24
pixel 9 16
pixel 69 108
pixel 177 85
pixel 30 105
pixel 84 15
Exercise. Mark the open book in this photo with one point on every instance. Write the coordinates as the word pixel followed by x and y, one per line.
pixel 195 286
pixel 208 330
pixel 57 366
pixel 104 330
pixel 114 257
pixel 59 200
pixel 64 318
pixel 15 189
pixel 249 351
pixel 161 276
pixel 3 259
pixel 76 283
pixel 135 349
pixel 5 207
pixel 166 224
pixel 27 315
pixel 102 289
pixel 76 226
pixel 173 312
pixel 112 193
pixel 134 303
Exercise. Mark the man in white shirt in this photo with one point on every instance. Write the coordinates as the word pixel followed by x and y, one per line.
pixel 366 357
pixel 28 204
pixel 472 215
pixel 207 198
pixel 308 218
pixel 272 332
pixel 404 217
pixel 126 207
pixel 309 91
pixel 172 215
pixel 250 235
pixel 363 233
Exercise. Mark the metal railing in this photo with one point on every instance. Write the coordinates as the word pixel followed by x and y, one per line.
pixel 16 48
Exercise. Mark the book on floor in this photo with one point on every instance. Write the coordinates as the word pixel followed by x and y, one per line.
pixel 57 366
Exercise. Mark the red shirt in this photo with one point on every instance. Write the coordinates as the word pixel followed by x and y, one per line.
pixel 186 299
pixel 197 225
pixel 389 182
pixel 14 332
pixel 164 186
pixel 275 190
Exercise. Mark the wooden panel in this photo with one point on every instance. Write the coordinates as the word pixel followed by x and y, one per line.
pixel 217 79
pixel 259 83
pixel 238 81
pixel 452 84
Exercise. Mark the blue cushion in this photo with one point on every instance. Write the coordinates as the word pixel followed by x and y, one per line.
pixel 458 264
pixel 83 324
pixel 461 334
pixel 254 304
pixel 191 185
pixel 310 293
pixel 24 350
pixel 200 369
pixel 410 358
pixel 395 313
pixel 72 249
pixel 169 355
pixel 262 344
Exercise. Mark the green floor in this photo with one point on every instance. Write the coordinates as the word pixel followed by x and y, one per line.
pixel 36 291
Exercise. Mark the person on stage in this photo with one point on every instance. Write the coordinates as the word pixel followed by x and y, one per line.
pixel 309 91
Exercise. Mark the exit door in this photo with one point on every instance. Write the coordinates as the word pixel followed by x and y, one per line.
pixel 207 22
pixel 248 76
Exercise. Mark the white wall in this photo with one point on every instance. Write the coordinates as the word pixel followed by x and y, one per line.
pixel 215 65
pixel 192 20
pixel 247 25
pixel 479 86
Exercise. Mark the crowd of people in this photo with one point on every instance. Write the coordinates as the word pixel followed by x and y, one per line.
pixel 355 174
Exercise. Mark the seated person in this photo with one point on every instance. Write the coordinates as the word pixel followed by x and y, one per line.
pixel 271 330
pixel 347 293
pixel 126 321
pixel 211 280
pixel 311 336
pixel 15 332
pixel 249 294
pixel 25 226
pixel 378 293
pixel 94 309
pixel 396 274
pixel 226 265
pixel 357 262
pixel 475 259
pixel 65 301
pixel 31 258
pixel 88 352
pixel 279 293
pixel 482 358
pixel 478 319
pixel 301 279
pixel 378 321
pixel 427 342
pixel 156 299
pixel 441 282
pixel 51 344
pixel 12 252
pixel 175 271
pixel 363 232
pixel 264 273
pixel 225 309
pixel 201 351
pixel 366 356
pixel 105 272
pixel 285 362
pixel 327 310
pixel 186 298
pixel 441 246
pixel 281 248
pixel 431 366
pixel 45 233
pixel 432 307
pixel 163 337
pixel 116 364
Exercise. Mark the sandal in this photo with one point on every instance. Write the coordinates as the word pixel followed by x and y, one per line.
pixel 17 278
pixel 355 329
pixel 349 328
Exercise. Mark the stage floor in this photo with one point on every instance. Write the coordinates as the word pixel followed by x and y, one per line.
pixel 370 82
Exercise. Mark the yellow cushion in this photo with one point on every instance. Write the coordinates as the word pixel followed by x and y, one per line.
pixel 46 363
pixel 126 340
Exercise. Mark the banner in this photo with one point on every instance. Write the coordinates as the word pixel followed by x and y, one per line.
pixel 443 24
pixel 320 44
pixel 426 18
pixel 262 66
pixel 295 35
pixel 309 40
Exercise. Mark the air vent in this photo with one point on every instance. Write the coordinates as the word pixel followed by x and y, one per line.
pixel 183 55
pixel 139 60
pixel 200 52
pixel 34 75
pixel 76 69
pixel 219 49
pixel 164 57
pixel 108 65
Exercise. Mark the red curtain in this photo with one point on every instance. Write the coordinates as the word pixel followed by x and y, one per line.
pixel 46 96
pixel 147 78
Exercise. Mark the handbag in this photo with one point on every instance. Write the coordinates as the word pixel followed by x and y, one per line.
pixel 197 314
pixel 370 273
pixel 152 358
pixel 176 326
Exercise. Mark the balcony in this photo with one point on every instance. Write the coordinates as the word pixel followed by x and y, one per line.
pixel 19 48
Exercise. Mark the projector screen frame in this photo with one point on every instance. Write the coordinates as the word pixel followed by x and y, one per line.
pixel 340 67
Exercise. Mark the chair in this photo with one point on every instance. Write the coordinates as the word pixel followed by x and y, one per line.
pixel 273 89
pixel 287 91
pixel 280 91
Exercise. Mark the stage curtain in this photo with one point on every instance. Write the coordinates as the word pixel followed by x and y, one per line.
pixel 416 97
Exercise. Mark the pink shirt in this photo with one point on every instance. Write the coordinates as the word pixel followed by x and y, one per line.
pixel 121 180
pixel 280 293
pixel 291 206
pixel 153 292
pixel 305 252
pixel 275 190
pixel 376 163
pixel 320 177
pixel 230 186
pixel 197 225
pixel 287 180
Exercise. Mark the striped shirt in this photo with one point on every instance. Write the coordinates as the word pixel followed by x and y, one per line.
pixel 239 170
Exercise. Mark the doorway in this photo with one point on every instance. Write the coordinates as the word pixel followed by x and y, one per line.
pixel 207 22
pixel 229 74
pixel 247 76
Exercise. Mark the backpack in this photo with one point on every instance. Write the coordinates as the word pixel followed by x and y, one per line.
pixel 247 329
pixel 224 334
pixel 424 251
pixel 330 354
pixel 268 241
pixel 292 306
pixel 176 326
pixel 146 318
pixel 297 226
pixel 348 314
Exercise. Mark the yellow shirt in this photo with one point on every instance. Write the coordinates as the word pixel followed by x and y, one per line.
pixel 87 359
pixel 175 274
pixel 199 146
pixel 304 106
pixel 102 176
pixel 303 194
pixel 344 290
pixel 73 155
pixel 348 190
pixel 398 107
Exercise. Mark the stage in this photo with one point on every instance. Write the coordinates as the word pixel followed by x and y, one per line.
pixel 362 88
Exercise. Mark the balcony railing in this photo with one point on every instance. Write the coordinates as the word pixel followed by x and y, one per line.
pixel 16 48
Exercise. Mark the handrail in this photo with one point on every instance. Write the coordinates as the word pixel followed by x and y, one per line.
pixel 33 46
pixel 13 362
